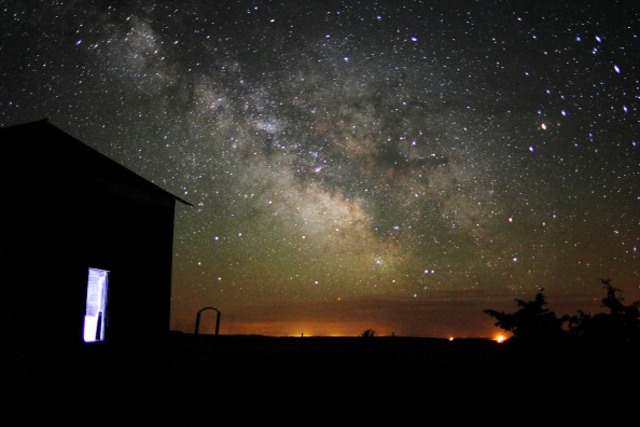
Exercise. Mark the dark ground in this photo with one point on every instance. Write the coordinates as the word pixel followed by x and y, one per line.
pixel 253 380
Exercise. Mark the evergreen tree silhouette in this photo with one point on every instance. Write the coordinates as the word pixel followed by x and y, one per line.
pixel 532 322
pixel 620 324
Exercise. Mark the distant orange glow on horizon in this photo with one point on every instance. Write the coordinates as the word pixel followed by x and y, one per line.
pixel 325 329
pixel 286 329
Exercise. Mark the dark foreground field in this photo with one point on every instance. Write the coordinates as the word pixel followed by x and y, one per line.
pixel 246 380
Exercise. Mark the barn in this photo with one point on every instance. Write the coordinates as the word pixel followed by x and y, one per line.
pixel 86 245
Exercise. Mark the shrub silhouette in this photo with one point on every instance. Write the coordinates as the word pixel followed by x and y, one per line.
pixel 532 322
pixel 620 324
pixel 369 333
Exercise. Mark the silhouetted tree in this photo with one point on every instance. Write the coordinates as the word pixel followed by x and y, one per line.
pixel 368 333
pixel 532 322
pixel 621 323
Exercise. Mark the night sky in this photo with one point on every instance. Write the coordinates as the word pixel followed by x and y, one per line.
pixel 390 165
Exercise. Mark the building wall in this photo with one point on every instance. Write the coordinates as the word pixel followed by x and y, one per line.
pixel 55 223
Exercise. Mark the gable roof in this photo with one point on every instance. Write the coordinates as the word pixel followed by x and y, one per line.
pixel 27 149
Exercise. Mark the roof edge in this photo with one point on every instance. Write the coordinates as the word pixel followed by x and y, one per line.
pixel 48 122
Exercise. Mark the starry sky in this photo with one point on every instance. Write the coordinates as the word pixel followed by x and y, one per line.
pixel 390 165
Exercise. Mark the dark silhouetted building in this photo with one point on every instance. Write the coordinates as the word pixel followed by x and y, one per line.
pixel 86 245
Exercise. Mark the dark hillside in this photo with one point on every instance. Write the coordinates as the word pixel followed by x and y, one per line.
pixel 232 380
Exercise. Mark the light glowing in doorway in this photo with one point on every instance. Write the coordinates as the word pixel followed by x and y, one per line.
pixel 95 317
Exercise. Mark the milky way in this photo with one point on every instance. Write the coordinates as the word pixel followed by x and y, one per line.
pixel 399 166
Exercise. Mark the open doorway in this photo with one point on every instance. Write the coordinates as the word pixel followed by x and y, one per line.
pixel 95 317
